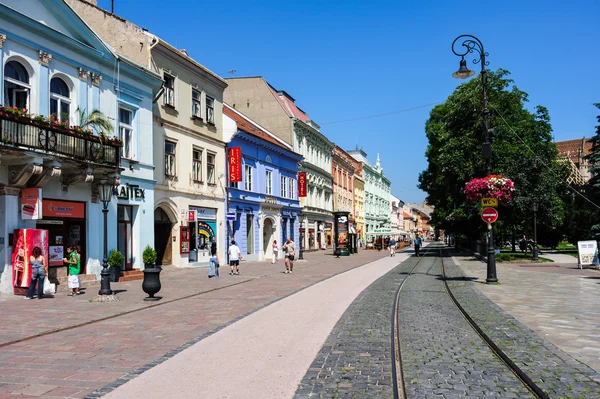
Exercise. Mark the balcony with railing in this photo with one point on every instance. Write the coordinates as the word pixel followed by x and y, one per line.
pixel 22 132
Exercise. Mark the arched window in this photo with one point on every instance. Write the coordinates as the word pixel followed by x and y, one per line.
pixel 16 85
pixel 60 99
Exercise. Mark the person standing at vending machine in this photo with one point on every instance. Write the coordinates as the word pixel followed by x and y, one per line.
pixel 39 270
pixel 74 270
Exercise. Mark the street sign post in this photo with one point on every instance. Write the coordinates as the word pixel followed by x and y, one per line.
pixel 231 216
pixel 485 202
pixel 489 215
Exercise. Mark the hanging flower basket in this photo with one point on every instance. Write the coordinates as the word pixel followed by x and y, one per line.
pixel 492 186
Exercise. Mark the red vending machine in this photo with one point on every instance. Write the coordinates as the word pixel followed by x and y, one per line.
pixel 24 240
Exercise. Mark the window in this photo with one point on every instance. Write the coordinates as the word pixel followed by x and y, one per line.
pixel 170 164
pixel 196 104
pixel 60 101
pixel 269 182
pixel 292 183
pixel 248 178
pixel 284 192
pixel 210 168
pixel 210 110
pixel 197 165
pixel 126 132
pixel 169 97
pixel 16 85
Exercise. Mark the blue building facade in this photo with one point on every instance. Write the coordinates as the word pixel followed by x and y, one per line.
pixel 265 203
pixel 53 65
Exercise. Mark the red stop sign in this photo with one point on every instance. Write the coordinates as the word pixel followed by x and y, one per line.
pixel 489 215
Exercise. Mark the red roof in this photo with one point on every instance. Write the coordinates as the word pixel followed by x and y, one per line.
pixel 247 125
pixel 574 149
pixel 289 106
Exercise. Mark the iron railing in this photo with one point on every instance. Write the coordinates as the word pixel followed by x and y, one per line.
pixel 25 133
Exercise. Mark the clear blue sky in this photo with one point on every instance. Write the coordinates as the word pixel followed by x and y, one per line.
pixel 349 59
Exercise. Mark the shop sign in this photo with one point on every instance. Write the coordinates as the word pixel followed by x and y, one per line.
pixel 206 213
pixel 269 209
pixel 270 200
pixel 64 209
pixel 235 164
pixel 130 191
pixel 191 216
pixel 184 240
pixel 31 203
pixel 301 184
pixel 382 231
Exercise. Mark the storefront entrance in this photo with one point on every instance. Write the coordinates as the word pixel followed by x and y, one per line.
pixel 268 238
pixel 162 237
pixel 124 234
pixel 66 225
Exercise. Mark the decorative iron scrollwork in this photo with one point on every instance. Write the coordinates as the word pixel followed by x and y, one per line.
pixel 95 151
pixel 47 139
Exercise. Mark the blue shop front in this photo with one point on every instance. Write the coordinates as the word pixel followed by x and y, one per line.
pixel 265 202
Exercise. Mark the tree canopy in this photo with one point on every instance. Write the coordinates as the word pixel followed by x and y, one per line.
pixel 523 151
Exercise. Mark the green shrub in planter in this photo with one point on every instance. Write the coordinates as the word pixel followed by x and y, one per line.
pixel 149 256
pixel 115 258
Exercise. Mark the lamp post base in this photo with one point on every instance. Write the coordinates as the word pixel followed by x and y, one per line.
pixel 105 282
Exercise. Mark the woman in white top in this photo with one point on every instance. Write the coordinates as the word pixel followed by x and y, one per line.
pixel 275 252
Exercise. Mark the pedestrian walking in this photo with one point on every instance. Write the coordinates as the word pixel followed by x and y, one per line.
pixel 290 253
pixel 39 270
pixel 275 252
pixel 392 247
pixel 235 255
pixel 74 269
pixel 417 243
pixel 213 265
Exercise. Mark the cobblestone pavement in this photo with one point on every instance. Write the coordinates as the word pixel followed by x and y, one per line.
pixel 441 354
pixel 553 370
pixel 66 353
pixel 355 361
pixel 557 301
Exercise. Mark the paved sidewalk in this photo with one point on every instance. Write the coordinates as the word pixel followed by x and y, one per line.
pixel 84 355
pixel 264 355
pixel 556 300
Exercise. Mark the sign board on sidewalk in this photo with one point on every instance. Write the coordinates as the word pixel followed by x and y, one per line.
pixel 588 253
pixel 489 215
pixel 489 202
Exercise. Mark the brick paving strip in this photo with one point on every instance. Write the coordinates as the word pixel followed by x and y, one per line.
pixel 553 370
pixel 355 361
pixel 76 361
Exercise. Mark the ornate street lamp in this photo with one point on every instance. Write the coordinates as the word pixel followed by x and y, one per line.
pixel 105 192
pixel 534 208
pixel 472 44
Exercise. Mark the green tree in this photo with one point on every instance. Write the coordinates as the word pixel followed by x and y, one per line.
pixel 455 133
pixel 94 120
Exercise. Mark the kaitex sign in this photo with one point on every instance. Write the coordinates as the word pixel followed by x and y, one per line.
pixel 489 202
pixel 130 192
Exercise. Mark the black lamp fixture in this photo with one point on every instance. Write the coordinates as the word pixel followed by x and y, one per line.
pixel 105 193
pixel 471 44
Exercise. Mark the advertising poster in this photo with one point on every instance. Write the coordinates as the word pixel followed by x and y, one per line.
pixel 55 255
pixel 24 242
pixel 341 222
pixel 588 253
pixel 31 203
pixel 184 240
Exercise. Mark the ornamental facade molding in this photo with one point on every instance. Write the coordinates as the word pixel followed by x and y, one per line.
pixel 2 39
pixel 44 58
pixel 96 79
pixel 84 75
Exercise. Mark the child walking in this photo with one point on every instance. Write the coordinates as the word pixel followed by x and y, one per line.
pixel 74 269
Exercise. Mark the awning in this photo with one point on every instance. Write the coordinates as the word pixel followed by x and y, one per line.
pixel 387 232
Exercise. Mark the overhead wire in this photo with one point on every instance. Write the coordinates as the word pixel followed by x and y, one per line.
pixel 538 159
pixel 381 115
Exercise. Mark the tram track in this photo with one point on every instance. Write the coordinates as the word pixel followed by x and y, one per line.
pixel 398 374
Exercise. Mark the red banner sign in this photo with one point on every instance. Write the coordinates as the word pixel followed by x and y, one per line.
pixel 235 164
pixel 301 184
